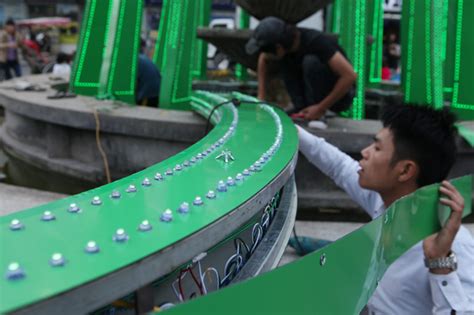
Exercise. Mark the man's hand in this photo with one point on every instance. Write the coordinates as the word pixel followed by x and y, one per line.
pixel 313 112
pixel 439 244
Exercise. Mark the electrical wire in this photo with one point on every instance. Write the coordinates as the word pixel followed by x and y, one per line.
pixel 99 145
pixel 234 101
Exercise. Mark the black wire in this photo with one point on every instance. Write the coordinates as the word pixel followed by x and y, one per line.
pixel 297 239
pixel 234 101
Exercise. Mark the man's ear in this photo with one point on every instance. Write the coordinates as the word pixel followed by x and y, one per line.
pixel 407 170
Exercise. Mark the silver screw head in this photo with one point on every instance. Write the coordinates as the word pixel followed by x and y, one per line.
pixel 131 189
pixel 57 260
pixel 192 160
pixel 73 208
pixel 199 156
pixel 169 172
pixel 158 176
pixel 209 151
pixel 14 271
pixel 120 236
pixel 322 260
pixel 96 201
pixel 239 177
pixel 230 181
pixel 167 215
pixel 16 225
pixel 211 194
pixel 115 194
pixel 178 167
pixel 204 153
pixel 146 182
pixel 145 226
pixel 92 247
pixel 186 163
pixel 246 172
pixel 221 186
pixel 184 207
pixel 198 201
pixel 48 216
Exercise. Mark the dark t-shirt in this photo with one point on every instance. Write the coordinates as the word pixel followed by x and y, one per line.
pixel 148 79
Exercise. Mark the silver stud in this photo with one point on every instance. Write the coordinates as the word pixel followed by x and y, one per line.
pixel 48 216
pixel 167 215
pixel 192 160
pixel 211 194
pixel 146 182
pixel 92 247
pixel 16 225
pixel 169 172
pixel 115 194
pixel 199 156
pixel 246 172
pixel 262 160
pixel 204 153
pixel 73 208
pixel 252 168
pixel 322 260
pixel 230 181
pixel 221 141
pixel 158 176
pixel 131 189
pixel 265 156
pixel 239 177
pixel 197 201
pixel 57 260
pixel 209 151
pixel 145 226
pixel 120 236
pixel 96 201
pixel 178 167
pixel 184 208
pixel 221 186
pixel 14 271
pixel 186 163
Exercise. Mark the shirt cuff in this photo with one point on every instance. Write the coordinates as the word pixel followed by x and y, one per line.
pixel 448 293
pixel 307 141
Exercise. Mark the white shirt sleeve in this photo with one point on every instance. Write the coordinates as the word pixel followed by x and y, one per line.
pixel 341 168
pixel 455 291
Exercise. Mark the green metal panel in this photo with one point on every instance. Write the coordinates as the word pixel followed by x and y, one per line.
pixel 33 246
pixel 106 62
pixel 178 54
pixel 203 16
pixel 463 93
pixel 422 51
pixel 244 22
pixel 352 37
pixel 339 278
pixel 158 57
pixel 375 51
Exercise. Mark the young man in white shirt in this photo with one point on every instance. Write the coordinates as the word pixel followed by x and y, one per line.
pixel 416 147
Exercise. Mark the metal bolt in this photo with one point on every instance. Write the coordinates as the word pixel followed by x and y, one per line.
pixel 230 181
pixel 199 156
pixel 48 216
pixel 211 194
pixel 145 226
pixel 92 247
pixel 120 236
pixel 246 172
pixel 146 182
pixel 322 260
pixel 252 168
pixel 209 151
pixel 115 194
pixel 96 201
pixel 57 260
pixel 192 160
pixel 239 177
pixel 131 189
pixel 178 167
pixel 16 225
pixel 73 208
pixel 184 207
pixel 166 216
pixel 169 172
pixel 186 163
pixel 158 176
pixel 197 201
pixel 204 153
pixel 221 186
pixel 14 271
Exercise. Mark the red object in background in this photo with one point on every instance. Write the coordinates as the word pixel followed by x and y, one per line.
pixel 386 74
pixel 32 45
pixel 297 115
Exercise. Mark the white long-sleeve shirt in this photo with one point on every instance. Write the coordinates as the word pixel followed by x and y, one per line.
pixel 407 286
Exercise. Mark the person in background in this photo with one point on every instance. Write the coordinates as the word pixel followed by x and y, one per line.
pixel 62 67
pixel 148 80
pixel 317 74
pixel 416 147
pixel 10 42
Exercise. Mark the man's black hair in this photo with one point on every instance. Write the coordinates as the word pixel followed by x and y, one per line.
pixel 10 22
pixel 425 136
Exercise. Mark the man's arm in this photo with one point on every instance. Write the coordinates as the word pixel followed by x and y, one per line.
pixel 450 289
pixel 344 70
pixel 341 168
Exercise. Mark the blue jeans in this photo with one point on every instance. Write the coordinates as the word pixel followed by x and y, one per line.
pixel 13 65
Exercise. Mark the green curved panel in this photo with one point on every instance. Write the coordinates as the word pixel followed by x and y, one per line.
pixel 339 278
pixel 33 246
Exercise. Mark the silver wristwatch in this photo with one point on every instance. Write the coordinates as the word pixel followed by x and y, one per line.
pixel 449 262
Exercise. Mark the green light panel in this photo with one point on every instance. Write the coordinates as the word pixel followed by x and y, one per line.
pixel 244 22
pixel 375 29
pixel 202 18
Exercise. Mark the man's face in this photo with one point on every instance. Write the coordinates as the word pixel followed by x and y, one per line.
pixel 377 173
pixel 10 29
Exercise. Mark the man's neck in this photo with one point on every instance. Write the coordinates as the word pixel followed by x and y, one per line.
pixel 393 195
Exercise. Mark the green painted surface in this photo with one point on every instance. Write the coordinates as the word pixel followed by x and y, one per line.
pixel 375 49
pixel 244 22
pixel 203 17
pixel 106 61
pixel 466 130
pixel 33 246
pixel 353 265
